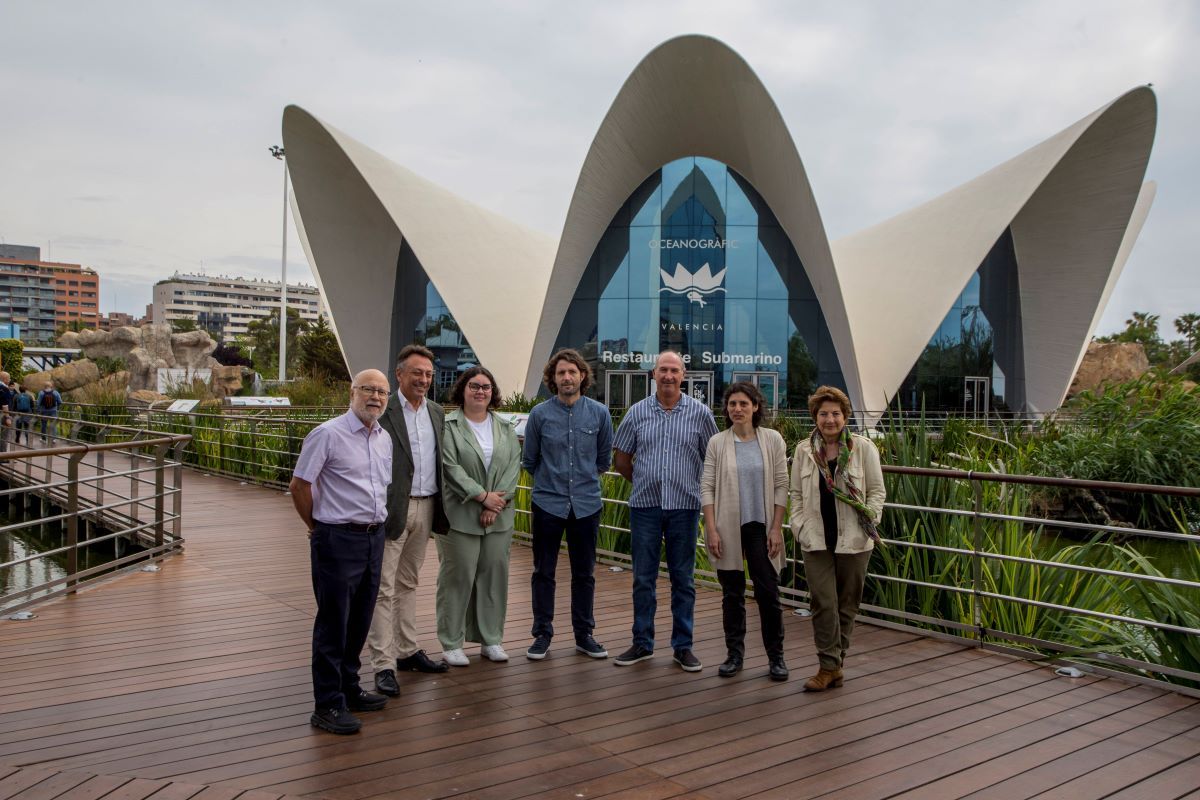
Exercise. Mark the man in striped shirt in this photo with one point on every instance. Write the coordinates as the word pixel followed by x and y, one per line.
pixel 660 448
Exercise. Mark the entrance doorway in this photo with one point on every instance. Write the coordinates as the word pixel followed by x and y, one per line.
pixel 767 383
pixel 977 396
pixel 699 385
pixel 624 387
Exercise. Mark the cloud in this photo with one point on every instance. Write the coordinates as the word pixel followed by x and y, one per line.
pixel 140 147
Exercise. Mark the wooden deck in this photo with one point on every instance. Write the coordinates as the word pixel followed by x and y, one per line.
pixel 193 684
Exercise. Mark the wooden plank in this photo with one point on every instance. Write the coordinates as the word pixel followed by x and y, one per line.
pixel 52 787
pixel 22 780
pixel 95 788
pixel 1083 751
pixel 1181 779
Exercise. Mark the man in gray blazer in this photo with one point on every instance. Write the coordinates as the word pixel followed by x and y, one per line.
pixel 414 512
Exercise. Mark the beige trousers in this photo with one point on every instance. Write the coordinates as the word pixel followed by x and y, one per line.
pixel 393 632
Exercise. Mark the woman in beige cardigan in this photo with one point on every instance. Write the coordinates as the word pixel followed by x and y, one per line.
pixel 837 499
pixel 743 493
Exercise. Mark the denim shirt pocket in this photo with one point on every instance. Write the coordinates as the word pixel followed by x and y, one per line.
pixel 585 447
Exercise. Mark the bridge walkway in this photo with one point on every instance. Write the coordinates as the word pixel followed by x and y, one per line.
pixel 192 683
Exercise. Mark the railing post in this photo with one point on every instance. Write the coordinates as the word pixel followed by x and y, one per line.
pixel 73 517
pixel 977 560
pixel 177 501
pixel 160 457
pixel 100 475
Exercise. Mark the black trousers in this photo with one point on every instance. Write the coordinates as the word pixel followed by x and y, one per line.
pixel 345 576
pixel 581 549
pixel 766 594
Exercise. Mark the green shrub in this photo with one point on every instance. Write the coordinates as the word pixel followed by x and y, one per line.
pixel 12 358
pixel 109 366
pixel 518 403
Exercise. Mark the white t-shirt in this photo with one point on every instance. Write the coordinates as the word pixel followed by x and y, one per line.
pixel 483 435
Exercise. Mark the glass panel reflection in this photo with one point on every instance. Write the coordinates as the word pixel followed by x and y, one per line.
pixel 696 262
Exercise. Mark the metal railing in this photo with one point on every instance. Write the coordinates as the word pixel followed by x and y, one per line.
pixel 261 445
pixel 91 490
pixel 975 581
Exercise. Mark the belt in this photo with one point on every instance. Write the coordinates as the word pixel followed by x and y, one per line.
pixel 357 527
pixel 421 496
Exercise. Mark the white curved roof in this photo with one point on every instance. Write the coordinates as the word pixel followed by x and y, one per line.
pixel 1068 201
pixel 693 96
pixel 1074 205
pixel 355 209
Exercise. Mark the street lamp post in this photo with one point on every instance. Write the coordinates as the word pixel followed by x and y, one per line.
pixel 278 152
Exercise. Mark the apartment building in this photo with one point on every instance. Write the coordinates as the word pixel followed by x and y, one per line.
pixel 225 306
pixel 40 295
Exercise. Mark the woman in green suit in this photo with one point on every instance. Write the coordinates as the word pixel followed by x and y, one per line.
pixel 482 460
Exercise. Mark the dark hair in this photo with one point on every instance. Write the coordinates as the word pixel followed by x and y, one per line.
pixel 567 354
pixel 414 350
pixel 828 394
pixel 459 392
pixel 751 391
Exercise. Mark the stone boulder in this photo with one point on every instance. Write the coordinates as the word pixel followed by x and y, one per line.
pixel 193 350
pixel 105 388
pixel 1109 362
pixel 65 378
pixel 143 398
pixel 226 381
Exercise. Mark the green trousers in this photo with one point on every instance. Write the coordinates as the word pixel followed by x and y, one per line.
pixel 472 588
pixel 835 585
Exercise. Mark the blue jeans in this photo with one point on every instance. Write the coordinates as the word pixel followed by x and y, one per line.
pixel 649 527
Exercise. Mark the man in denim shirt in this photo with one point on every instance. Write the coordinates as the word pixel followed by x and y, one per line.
pixel 568 446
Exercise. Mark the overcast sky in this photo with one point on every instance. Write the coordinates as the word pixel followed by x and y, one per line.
pixel 134 136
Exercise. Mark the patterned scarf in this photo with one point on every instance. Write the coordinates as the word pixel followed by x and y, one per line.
pixel 853 495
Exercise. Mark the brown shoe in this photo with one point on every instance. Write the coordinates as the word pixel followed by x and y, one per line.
pixel 824 679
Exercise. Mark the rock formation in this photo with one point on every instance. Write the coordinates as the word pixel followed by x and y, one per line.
pixel 145 350
pixel 1109 362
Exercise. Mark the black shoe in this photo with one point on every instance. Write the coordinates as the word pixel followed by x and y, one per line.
pixel 419 662
pixel 633 655
pixel 386 683
pixel 687 661
pixel 590 647
pixel 537 651
pixel 779 670
pixel 731 667
pixel 358 699
pixel 335 720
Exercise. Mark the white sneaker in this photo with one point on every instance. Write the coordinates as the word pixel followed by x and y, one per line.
pixel 456 657
pixel 492 652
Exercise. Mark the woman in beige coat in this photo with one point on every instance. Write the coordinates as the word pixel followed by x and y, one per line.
pixel 837 498
pixel 743 493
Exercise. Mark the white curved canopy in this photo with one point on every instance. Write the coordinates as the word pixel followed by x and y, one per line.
pixel 1068 202
pixel 356 208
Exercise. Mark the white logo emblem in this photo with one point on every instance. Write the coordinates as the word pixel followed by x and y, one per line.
pixel 693 287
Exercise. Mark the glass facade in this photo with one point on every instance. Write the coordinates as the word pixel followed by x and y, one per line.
pixel 695 261
pixel 974 362
pixel 421 316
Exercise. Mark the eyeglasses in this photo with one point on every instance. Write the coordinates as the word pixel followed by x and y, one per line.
pixel 479 387
pixel 371 390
